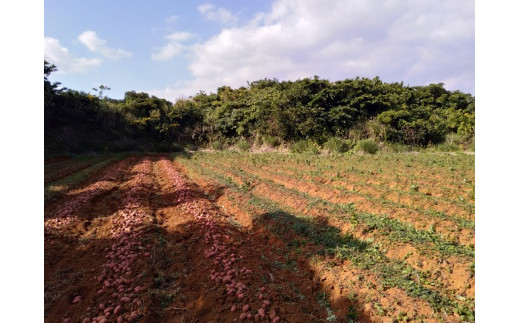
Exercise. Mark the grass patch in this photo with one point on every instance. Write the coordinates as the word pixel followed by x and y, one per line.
pixel 367 146
pixel 58 187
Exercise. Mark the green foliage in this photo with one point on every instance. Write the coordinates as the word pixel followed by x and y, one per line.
pixel 447 147
pixel 304 146
pixel 217 145
pixel 367 146
pixel 243 145
pixel 397 147
pixel 338 145
pixel 270 141
pixel 190 147
pixel 266 112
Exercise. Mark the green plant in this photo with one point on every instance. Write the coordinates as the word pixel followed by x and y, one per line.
pixel 217 145
pixel 367 146
pixel 270 141
pixel 338 145
pixel 243 145
pixel 397 147
pixel 447 147
pixel 302 146
pixel 190 147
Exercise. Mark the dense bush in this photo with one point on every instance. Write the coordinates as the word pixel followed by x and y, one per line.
pixel 338 145
pixel 265 112
pixel 304 146
pixel 270 141
pixel 367 146
pixel 217 145
pixel 243 145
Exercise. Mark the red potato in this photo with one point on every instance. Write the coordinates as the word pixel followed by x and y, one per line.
pixel 272 314
pixel 245 308
pixel 102 306
pixel 243 316
pixel 133 316
pixel 276 319
pixel 233 308
pixel 86 320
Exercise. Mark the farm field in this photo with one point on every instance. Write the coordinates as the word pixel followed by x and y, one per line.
pixel 229 236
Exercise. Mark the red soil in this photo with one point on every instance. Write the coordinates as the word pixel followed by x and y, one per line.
pixel 141 243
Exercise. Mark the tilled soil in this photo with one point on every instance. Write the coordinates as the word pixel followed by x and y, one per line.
pixel 139 242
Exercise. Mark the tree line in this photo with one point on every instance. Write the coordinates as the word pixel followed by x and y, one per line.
pixel 265 111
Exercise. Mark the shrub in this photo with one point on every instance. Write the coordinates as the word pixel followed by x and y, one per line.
pixel 447 147
pixel 338 145
pixel 190 147
pixel 243 145
pixel 367 146
pixel 217 145
pixel 270 141
pixel 302 146
pixel 455 139
pixel 397 147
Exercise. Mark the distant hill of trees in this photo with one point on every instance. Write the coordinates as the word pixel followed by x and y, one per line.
pixel 310 109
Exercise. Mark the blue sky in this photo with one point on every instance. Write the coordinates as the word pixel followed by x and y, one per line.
pixel 174 49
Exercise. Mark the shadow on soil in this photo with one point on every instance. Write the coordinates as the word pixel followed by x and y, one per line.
pixel 278 248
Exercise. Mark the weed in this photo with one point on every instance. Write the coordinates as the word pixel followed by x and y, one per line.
pixel 217 145
pixel 367 146
pixel 304 146
pixel 271 141
pixel 243 145
pixel 338 145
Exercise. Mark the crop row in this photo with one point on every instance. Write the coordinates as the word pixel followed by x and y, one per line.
pixel 59 187
pixel 363 253
pixel 428 183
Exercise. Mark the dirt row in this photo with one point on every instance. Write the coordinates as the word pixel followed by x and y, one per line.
pixel 140 243
pixel 405 215
pixel 350 289
pixel 395 178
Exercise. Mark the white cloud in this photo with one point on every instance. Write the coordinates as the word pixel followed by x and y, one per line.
pixel 56 54
pixel 168 51
pixel 221 15
pixel 172 19
pixel 180 36
pixel 417 42
pixel 174 46
pixel 97 45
